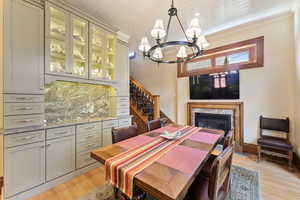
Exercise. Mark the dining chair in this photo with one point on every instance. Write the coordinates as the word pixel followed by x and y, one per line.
pixel 154 124
pixel 217 186
pixel 120 134
pixel 273 145
pixel 208 167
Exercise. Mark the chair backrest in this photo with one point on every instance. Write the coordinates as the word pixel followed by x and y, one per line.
pixel 154 124
pixel 120 134
pixel 220 179
pixel 281 125
pixel 228 140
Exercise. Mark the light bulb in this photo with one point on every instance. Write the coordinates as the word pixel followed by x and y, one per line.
pixel 182 52
pixel 158 30
pixel 194 30
pixel 144 46
pixel 202 42
pixel 158 53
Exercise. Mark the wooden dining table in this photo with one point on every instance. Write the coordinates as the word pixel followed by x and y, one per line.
pixel 169 177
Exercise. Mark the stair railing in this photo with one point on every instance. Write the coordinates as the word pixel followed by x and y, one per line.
pixel 144 100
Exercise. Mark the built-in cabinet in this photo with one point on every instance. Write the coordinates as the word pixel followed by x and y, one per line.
pixel 60 151
pixel 24 161
pixel 78 48
pixel 38 157
pixel 24 48
pixel 122 67
pixel 47 40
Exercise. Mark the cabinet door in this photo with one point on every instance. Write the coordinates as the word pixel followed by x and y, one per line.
pixel 122 69
pixel 60 155
pixel 57 47
pixel 24 168
pixel 79 46
pixel 106 137
pixel 24 48
pixel 96 45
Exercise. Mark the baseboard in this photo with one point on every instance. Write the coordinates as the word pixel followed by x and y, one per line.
pixel 252 149
pixel 39 189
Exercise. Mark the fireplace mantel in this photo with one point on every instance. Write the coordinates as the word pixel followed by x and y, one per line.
pixel 235 107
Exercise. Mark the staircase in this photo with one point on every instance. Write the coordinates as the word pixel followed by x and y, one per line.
pixel 144 106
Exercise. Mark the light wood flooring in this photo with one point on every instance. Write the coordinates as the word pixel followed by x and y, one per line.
pixel 277 183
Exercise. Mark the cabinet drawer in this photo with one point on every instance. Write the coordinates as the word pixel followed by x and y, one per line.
pixel 92 127
pixel 110 123
pixel 125 122
pixel 88 146
pixel 84 159
pixel 122 99
pixel 123 104
pixel 89 137
pixel 123 111
pixel 15 98
pixel 12 122
pixel 24 138
pixel 23 108
pixel 60 132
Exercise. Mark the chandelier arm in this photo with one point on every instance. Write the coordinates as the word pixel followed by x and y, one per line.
pixel 168 28
pixel 183 31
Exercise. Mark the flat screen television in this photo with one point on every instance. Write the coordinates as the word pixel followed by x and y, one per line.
pixel 215 86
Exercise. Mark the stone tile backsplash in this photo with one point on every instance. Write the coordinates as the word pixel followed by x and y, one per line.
pixel 71 102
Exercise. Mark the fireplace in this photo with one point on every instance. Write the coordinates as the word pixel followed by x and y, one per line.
pixel 213 121
pixel 219 115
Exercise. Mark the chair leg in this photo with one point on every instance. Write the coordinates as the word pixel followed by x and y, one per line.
pixel 290 160
pixel 258 153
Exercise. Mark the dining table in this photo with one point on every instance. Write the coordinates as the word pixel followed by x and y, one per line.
pixel 169 175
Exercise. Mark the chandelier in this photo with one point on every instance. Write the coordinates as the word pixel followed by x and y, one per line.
pixel 195 41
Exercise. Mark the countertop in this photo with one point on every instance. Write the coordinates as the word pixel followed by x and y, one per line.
pixel 60 124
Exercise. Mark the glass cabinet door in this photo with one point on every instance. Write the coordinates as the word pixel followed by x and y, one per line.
pixel 110 52
pixel 57 40
pixel 96 52
pixel 79 62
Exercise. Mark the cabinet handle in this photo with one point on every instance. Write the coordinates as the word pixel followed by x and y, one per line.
pixel 24 98
pixel 48 145
pixel 89 128
pixel 25 108
pixel 25 121
pixel 61 133
pixel 26 138
pixel 42 146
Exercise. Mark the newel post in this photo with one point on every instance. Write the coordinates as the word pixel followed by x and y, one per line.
pixel 156 106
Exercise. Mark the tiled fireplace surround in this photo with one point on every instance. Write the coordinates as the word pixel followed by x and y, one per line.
pixel 235 109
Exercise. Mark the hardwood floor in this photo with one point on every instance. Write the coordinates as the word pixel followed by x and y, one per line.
pixel 276 181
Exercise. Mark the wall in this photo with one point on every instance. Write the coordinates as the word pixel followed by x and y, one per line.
pixel 267 91
pixel 297 58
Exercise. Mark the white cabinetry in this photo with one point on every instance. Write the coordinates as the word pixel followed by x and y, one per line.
pixel 88 138
pixel 106 131
pixel 24 162
pixel 24 48
pixel 122 68
pixel 60 155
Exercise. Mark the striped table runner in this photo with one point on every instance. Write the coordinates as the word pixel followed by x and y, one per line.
pixel 121 169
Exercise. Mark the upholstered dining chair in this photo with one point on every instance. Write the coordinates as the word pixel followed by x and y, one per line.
pixel 218 185
pixel 274 145
pixel 120 134
pixel 154 124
